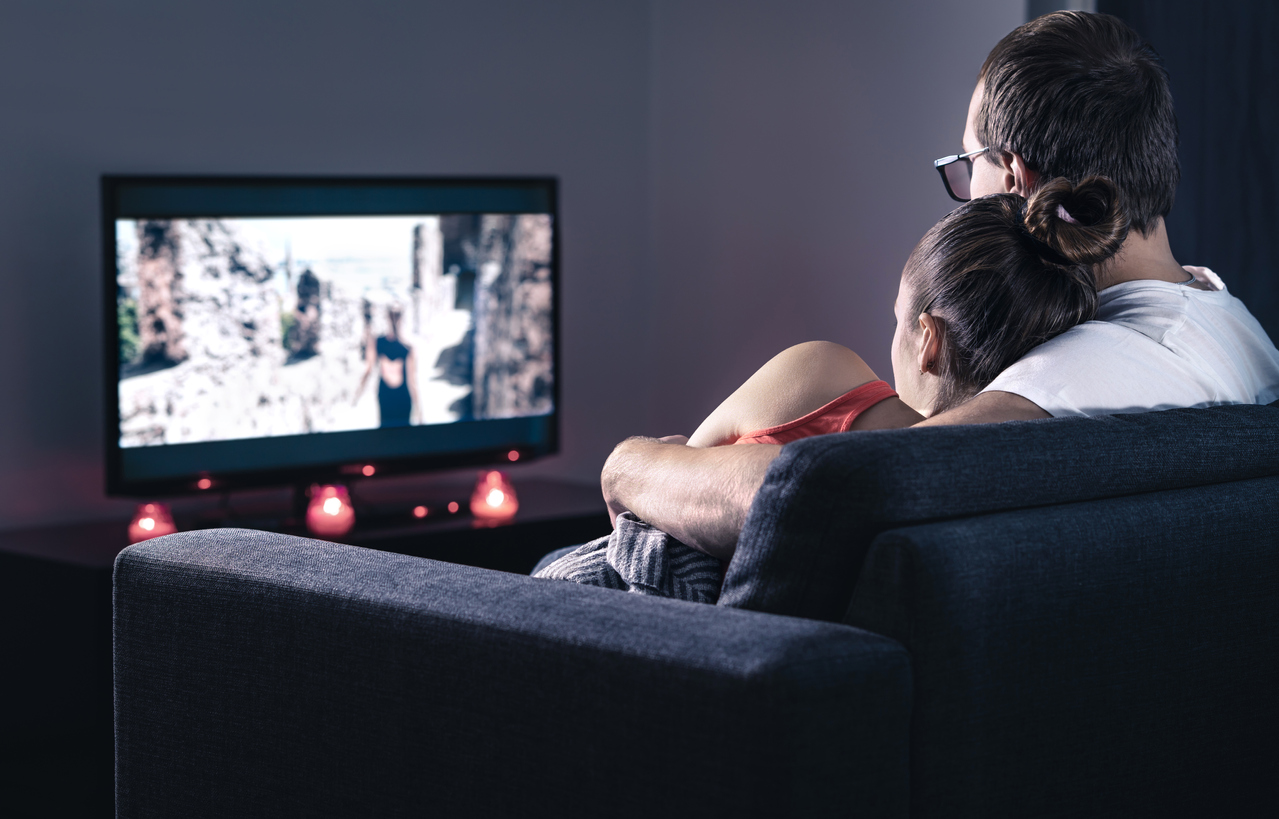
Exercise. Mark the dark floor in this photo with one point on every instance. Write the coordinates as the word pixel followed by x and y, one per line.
pixel 57 770
pixel 56 756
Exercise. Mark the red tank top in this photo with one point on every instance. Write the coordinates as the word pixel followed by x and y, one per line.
pixel 837 416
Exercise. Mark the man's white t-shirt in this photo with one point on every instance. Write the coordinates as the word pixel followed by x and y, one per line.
pixel 1154 345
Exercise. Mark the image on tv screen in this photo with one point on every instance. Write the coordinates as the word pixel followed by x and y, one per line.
pixel 256 327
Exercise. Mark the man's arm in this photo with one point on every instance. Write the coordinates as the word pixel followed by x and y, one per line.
pixel 701 496
pixel 988 408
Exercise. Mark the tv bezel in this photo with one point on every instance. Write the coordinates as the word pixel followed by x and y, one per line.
pixel 329 471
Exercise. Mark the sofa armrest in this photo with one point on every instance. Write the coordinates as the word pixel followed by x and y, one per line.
pixel 260 674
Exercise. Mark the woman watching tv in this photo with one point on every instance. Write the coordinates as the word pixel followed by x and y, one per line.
pixel 993 279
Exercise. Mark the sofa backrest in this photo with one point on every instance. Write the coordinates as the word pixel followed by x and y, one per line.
pixel 825 499
pixel 1112 657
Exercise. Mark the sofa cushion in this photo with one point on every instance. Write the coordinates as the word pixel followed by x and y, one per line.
pixel 825 499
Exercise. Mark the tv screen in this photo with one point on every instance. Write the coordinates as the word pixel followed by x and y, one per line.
pixel 280 330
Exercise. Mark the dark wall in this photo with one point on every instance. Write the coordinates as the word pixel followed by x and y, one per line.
pixel 792 174
pixel 737 175
pixel 1223 64
pixel 297 87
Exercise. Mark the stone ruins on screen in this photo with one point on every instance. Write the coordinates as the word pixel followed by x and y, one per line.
pixel 230 344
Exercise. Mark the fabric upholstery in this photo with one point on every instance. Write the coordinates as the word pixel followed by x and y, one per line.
pixel 265 675
pixel 826 498
pixel 1076 617
pixel 1106 658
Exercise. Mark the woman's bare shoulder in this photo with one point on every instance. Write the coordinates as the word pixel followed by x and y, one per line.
pixel 792 384
pixel 823 366
pixel 807 376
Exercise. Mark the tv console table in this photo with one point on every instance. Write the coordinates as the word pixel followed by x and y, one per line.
pixel 55 600
pixel 552 513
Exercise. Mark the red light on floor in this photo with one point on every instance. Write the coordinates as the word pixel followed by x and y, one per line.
pixel 329 514
pixel 204 483
pixel 453 507
pixel 151 520
pixel 368 470
pixel 513 455
pixel 494 497
pixel 420 511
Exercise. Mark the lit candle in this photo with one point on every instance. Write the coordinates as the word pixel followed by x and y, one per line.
pixel 151 520
pixel 494 496
pixel 329 514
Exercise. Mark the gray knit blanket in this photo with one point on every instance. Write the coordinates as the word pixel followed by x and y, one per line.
pixel 642 560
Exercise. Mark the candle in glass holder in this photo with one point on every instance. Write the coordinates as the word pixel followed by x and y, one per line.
pixel 494 497
pixel 329 514
pixel 151 520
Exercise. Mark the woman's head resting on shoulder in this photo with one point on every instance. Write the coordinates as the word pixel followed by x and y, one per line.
pixel 995 278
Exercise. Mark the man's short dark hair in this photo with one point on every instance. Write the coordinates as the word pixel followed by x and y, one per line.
pixel 1078 94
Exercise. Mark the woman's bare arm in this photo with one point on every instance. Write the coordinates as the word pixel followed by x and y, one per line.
pixel 792 384
pixel 664 480
pixel 701 496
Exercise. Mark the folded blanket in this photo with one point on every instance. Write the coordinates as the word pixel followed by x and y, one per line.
pixel 640 559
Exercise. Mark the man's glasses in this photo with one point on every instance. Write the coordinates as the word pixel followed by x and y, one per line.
pixel 957 174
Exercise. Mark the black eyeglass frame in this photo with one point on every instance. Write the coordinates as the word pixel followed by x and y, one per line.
pixel 941 164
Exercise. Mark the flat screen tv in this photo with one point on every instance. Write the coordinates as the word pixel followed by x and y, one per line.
pixel 282 330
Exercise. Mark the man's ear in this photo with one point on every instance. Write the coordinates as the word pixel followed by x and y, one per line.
pixel 1024 180
pixel 931 331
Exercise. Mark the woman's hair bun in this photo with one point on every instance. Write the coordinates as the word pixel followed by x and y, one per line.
pixel 1083 223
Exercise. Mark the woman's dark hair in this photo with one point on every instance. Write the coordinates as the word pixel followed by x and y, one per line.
pixel 1004 274
pixel 1078 94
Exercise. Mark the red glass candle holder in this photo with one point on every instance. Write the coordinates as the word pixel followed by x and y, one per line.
pixel 494 497
pixel 329 514
pixel 151 520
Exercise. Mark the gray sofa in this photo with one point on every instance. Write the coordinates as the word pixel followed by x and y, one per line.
pixel 1051 618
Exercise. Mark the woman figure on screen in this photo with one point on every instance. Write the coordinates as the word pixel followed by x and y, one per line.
pixel 397 371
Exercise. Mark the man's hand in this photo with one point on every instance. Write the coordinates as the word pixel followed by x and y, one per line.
pixel 611 475
pixel 699 496
pixel 615 506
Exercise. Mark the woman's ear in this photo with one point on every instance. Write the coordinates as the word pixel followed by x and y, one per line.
pixel 931 331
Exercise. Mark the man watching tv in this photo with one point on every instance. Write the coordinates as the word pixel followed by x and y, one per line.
pixel 1070 94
